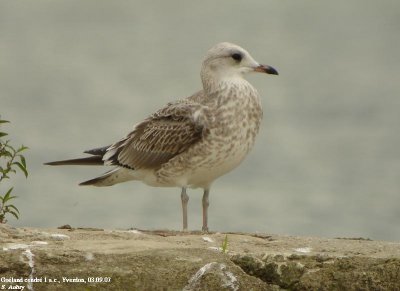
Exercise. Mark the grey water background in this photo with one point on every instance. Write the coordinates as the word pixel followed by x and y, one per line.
pixel 79 74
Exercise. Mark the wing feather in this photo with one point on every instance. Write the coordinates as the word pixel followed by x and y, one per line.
pixel 165 134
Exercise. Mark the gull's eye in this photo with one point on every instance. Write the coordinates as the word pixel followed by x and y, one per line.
pixel 237 57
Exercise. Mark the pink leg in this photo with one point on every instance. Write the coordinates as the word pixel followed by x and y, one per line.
pixel 206 203
pixel 185 199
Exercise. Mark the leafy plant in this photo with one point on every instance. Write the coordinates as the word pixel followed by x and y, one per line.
pixel 11 159
pixel 224 246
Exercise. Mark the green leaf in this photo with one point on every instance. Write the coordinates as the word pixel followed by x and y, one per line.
pixel 4 121
pixel 13 213
pixel 9 198
pixel 224 246
pixel 23 169
pixel 13 207
pixel 10 149
pixel 23 161
pixel 22 148
pixel 6 153
pixel 3 134
pixel 6 197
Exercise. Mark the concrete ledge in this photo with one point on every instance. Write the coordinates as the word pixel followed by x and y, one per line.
pixel 96 259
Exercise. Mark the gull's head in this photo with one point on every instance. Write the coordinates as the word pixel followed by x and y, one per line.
pixel 227 61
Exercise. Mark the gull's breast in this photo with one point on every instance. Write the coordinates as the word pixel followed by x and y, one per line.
pixel 230 137
pixel 228 146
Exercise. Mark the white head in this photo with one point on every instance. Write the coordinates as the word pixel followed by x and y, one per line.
pixel 229 61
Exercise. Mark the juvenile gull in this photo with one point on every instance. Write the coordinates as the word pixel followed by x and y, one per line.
pixel 190 142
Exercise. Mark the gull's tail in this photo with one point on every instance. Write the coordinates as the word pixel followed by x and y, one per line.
pixel 88 161
pixel 95 160
pixel 114 176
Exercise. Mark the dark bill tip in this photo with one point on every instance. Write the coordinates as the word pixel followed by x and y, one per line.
pixel 266 69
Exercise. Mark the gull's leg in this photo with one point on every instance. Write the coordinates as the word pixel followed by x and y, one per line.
pixel 185 199
pixel 205 209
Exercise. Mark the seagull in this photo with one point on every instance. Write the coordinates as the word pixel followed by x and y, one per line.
pixel 190 142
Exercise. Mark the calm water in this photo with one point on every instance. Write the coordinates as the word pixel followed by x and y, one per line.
pixel 78 74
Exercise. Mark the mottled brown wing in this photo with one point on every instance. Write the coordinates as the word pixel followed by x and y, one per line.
pixel 156 140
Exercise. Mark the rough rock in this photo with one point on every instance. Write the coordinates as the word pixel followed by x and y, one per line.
pixel 97 259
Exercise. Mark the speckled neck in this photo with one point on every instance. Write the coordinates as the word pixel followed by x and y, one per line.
pixel 216 86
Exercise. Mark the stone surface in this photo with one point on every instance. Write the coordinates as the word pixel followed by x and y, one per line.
pixel 168 260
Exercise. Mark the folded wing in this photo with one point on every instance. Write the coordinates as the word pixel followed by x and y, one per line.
pixel 164 135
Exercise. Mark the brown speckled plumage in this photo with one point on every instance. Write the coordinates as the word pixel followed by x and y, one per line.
pixel 191 142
